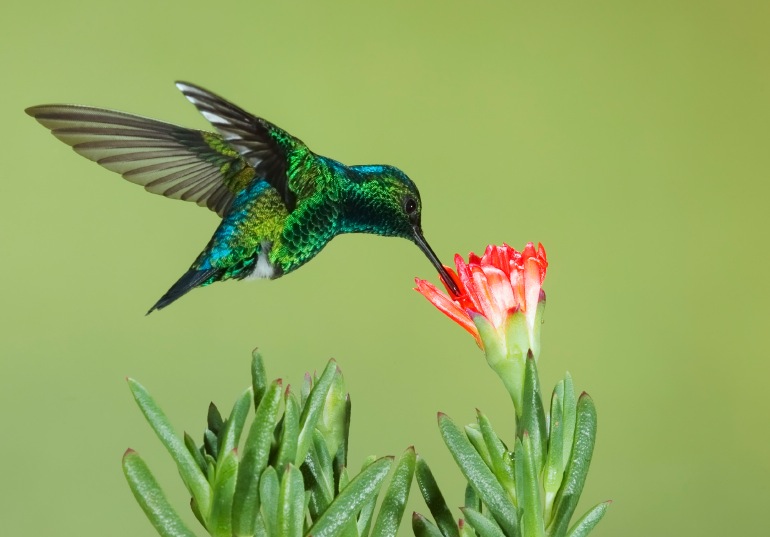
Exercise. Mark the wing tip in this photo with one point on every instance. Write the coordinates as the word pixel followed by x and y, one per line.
pixel 188 88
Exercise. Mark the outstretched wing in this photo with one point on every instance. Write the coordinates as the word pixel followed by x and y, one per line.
pixel 266 147
pixel 165 159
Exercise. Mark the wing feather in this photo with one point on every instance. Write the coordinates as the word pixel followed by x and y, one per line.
pixel 265 146
pixel 165 159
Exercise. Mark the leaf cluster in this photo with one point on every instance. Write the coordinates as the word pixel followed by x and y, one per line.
pixel 529 491
pixel 289 477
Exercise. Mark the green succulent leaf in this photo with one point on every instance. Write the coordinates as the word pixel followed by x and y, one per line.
pixel 197 513
pixel 483 526
pixel 499 456
pixel 341 457
pixel 478 475
pixel 435 500
pixel 231 434
pixel 471 498
pixel 364 522
pixel 287 448
pixel 256 451
pixel 422 527
pixel 291 511
pixel 189 443
pixel 269 491
pixel 319 476
pixel 394 501
pixel 569 416
pixel 577 468
pixel 259 380
pixel 532 414
pixel 191 473
pixel 359 491
pixel 324 473
pixel 304 391
pixel 220 521
pixel 477 439
pixel 530 507
pixel 312 410
pixel 211 443
pixel 214 420
pixel 151 499
pixel 588 521
pixel 554 468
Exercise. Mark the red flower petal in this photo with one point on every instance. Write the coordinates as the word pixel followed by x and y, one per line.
pixel 494 285
pixel 447 306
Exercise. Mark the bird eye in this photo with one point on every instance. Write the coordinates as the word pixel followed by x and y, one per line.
pixel 410 205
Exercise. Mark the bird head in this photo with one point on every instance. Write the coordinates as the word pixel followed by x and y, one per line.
pixel 388 203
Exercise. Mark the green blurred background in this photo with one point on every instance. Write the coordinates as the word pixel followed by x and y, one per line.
pixel 630 138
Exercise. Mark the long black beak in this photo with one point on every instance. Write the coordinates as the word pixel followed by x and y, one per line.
pixel 428 251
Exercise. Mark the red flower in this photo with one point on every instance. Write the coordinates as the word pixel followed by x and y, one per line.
pixel 495 286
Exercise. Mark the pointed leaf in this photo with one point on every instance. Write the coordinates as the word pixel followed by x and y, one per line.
pixel 532 414
pixel 394 502
pixel 214 420
pixel 256 451
pixel 324 472
pixel 211 444
pixel 569 416
pixel 435 500
pixel 588 521
pixel 191 474
pixel 269 492
pixel 577 468
pixel 231 434
pixel 474 435
pixel 220 521
pixel 530 506
pixel 312 410
pixel 360 490
pixel 364 522
pixel 287 448
pixel 422 527
pixel 478 475
pixel 341 457
pixel 484 527
pixel 554 469
pixel 291 503
pixel 320 494
pixel 151 499
pixel 304 391
pixel 189 443
pixel 258 377
pixel 498 455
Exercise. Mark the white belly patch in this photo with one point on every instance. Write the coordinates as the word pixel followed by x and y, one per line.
pixel 263 268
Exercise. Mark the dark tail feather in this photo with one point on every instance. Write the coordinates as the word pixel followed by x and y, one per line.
pixel 190 280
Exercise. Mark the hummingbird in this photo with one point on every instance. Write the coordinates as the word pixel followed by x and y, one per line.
pixel 280 203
